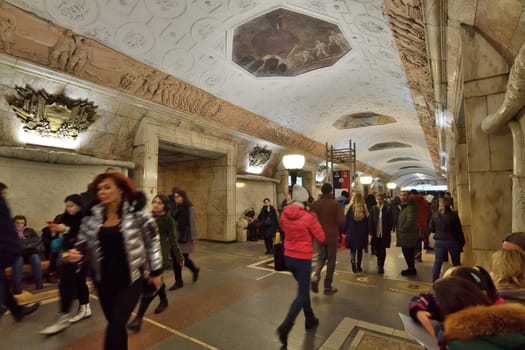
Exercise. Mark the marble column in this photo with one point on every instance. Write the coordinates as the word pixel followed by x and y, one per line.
pixel 145 156
pixel 518 177
pixel 462 199
pixel 487 157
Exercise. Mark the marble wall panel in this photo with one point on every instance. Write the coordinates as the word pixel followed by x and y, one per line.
pixel 480 59
pixel 462 11
pixel 498 19
pixel 483 258
pixel 462 164
pixel 489 86
pixel 37 190
pixel 9 128
pixel 477 140
pixel 518 39
pixel 206 187
pixel 467 257
pixel 250 194
pixel 6 75
pixel 501 152
pixel 491 203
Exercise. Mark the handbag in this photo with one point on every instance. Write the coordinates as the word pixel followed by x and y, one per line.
pixel 278 254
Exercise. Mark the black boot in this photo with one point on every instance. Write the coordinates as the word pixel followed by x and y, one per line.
pixel 177 285
pixel 359 259
pixel 23 311
pixel 137 321
pixel 163 300
pixel 17 289
pixel 310 321
pixel 354 266
pixel 39 284
pixel 283 331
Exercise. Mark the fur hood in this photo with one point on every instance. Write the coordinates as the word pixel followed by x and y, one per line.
pixel 479 321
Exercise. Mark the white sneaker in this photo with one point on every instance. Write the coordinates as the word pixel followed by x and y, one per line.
pixel 84 311
pixel 57 327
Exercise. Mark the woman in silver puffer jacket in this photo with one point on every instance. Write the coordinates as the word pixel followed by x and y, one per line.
pixel 118 238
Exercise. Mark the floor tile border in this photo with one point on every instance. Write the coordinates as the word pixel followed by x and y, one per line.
pixel 338 337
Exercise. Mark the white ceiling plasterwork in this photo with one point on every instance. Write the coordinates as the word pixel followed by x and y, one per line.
pixel 192 40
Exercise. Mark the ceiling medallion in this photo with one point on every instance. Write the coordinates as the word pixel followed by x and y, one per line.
pixel 259 156
pixel 52 115
pixel 362 119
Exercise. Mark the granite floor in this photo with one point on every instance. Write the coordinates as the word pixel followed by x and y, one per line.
pixel 239 301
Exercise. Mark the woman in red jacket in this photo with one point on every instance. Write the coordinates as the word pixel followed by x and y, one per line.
pixel 301 226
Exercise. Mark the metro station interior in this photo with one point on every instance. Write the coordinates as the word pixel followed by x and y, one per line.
pixel 210 95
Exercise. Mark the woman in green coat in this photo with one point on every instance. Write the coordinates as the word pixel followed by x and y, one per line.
pixel 171 256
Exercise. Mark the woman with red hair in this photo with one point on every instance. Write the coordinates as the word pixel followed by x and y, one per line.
pixel 118 238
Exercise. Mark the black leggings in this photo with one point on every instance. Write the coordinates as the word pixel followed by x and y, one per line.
pixel 177 270
pixel 117 304
pixel 72 285
pixel 6 298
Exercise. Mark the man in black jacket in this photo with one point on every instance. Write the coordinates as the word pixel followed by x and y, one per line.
pixel 9 252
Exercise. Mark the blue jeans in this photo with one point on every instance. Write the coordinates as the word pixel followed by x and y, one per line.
pixel 441 250
pixel 18 268
pixel 301 270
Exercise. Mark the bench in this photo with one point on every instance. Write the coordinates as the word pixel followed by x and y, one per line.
pixel 44 264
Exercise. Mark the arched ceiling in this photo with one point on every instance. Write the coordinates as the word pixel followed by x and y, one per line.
pixel 328 69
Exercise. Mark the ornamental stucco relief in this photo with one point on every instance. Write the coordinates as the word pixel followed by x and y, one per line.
pixel 73 12
pixel 135 38
pixel 166 8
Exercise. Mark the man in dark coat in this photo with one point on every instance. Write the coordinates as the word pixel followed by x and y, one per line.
pixel 407 237
pixel 331 217
pixel 379 227
pixel 9 252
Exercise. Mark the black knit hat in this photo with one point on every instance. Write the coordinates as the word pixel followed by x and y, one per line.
pixel 75 198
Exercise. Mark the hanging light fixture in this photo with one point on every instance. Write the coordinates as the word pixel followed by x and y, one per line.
pixel 366 180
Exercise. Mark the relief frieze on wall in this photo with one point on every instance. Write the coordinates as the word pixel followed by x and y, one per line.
pixel 25 36
pixel 408 28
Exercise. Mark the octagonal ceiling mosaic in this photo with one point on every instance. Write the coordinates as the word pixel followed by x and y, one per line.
pixel 287 43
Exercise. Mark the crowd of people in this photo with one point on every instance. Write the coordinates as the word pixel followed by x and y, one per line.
pixel 113 239
pixel 124 248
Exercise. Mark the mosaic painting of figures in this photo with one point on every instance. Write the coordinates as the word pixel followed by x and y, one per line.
pixel 360 120
pixel 285 43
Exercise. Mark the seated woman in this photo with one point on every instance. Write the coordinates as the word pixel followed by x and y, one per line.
pixel 251 221
pixel 471 321
pixel 508 272
pixel 425 309
pixel 30 244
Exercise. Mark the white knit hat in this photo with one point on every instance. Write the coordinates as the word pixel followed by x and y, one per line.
pixel 300 194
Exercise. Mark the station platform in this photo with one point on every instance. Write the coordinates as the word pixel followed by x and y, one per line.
pixel 238 302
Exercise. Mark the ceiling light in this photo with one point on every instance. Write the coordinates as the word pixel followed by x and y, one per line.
pixel 366 180
pixel 391 185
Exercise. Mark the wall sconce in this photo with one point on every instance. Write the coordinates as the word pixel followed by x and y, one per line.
pixel 293 163
pixel 321 173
